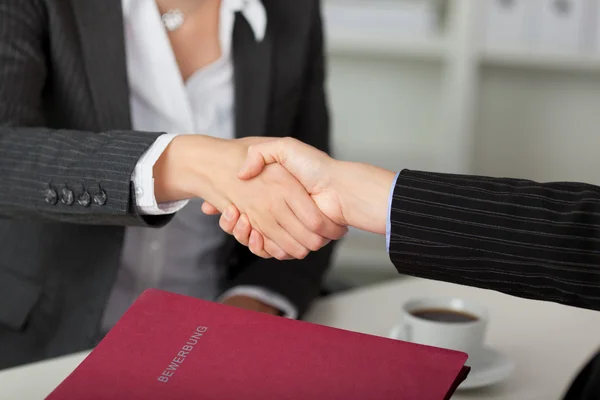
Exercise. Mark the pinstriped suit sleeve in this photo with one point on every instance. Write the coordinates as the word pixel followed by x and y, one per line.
pixel 539 241
pixel 35 159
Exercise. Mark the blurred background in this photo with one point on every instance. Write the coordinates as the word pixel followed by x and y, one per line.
pixel 494 87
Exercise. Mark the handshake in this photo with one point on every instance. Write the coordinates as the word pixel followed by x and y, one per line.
pixel 278 196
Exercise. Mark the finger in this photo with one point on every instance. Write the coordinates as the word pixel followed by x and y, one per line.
pixel 242 230
pixel 272 248
pixel 259 155
pixel 256 244
pixel 303 240
pixel 229 219
pixel 316 230
pixel 209 209
pixel 285 230
pixel 295 228
pixel 313 219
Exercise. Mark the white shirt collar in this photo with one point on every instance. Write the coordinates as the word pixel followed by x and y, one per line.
pixel 253 11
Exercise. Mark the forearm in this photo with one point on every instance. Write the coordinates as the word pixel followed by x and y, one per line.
pixel 364 192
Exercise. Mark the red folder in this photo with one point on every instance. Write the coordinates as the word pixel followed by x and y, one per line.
pixel 169 347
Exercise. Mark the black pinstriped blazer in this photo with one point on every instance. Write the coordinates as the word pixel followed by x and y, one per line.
pixel 539 241
pixel 67 153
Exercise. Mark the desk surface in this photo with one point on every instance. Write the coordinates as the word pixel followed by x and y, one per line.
pixel 548 342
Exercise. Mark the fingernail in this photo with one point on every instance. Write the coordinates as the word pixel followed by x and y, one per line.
pixel 228 214
pixel 252 239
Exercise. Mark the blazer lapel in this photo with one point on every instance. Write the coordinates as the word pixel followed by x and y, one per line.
pixel 100 24
pixel 252 76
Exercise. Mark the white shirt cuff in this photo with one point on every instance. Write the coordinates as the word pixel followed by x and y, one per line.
pixel 143 181
pixel 265 296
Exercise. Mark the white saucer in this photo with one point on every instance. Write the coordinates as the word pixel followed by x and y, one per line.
pixel 487 368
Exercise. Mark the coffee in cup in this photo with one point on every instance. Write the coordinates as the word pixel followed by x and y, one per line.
pixel 450 323
pixel 444 315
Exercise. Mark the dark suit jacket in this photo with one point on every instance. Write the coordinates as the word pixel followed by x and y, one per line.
pixel 65 131
pixel 539 241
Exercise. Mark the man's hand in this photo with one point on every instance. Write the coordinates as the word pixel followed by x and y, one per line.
pixel 350 194
pixel 276 205
pixel 248 303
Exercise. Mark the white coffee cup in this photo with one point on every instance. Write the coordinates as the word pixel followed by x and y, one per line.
pixel 419 324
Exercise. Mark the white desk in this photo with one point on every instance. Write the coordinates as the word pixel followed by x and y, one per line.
pixel 549 342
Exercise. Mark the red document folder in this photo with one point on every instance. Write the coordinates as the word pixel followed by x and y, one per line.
pixel 169 347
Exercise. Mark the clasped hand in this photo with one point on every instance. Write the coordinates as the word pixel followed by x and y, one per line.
pixel 275 204
pixel 263 172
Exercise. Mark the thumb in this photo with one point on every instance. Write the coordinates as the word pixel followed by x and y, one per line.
pixel 259 155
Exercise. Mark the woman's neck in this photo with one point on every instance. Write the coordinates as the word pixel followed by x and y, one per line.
pixel 186 6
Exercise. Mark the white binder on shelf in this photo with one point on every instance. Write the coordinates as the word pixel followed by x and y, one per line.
pixel 412 19
pixel 565 26
pixel 595 28
pixel 507 24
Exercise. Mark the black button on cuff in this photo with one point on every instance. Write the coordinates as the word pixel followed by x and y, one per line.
pixel 85 199
pixel 100 198
pixel 51 196
pixel 66 196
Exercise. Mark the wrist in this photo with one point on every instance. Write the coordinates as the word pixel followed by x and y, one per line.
pixel 163 172
pixel 363 192
pixel 182 170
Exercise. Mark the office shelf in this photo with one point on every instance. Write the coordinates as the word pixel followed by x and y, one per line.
pixel 524 59
pixel 386 45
